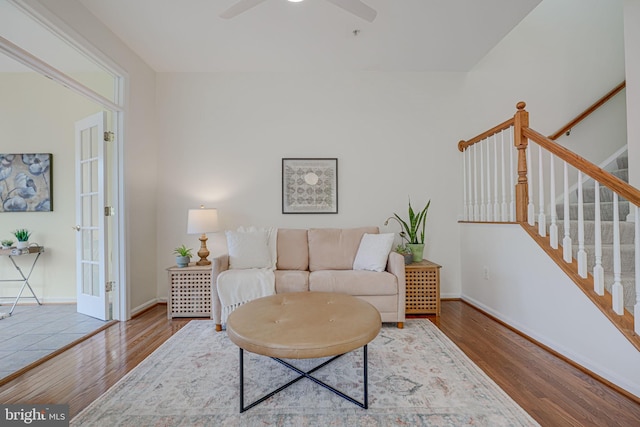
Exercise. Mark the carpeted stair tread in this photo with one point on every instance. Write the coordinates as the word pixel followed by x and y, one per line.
pixel 629 288
pixel 623 161
pixel 589 195
pixel 627 231
pixel 627 257
pixel 606 211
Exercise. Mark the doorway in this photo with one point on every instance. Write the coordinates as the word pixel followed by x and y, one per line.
pixel 86 90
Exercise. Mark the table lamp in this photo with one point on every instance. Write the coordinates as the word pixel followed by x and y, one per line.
pixel 202 221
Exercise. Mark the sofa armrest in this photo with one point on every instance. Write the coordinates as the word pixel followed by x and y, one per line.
pixel 395 266
pixel 218 265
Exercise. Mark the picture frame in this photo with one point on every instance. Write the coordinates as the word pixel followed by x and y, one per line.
pixel 309 185
pixel 25 182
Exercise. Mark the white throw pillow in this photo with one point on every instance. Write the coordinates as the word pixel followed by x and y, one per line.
pixel 248 249
pixel 373 252
pixel 272 241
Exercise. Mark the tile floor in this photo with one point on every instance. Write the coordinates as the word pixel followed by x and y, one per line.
pixel 34 331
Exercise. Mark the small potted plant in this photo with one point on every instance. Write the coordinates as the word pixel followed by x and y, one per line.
pixel 22 235
pixel 405 252
pixel 183 255
pixel 413 229
pixel 7 243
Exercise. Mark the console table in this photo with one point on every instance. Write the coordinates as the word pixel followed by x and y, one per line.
pixel 189 291
pixel 423 288
pixel 12 254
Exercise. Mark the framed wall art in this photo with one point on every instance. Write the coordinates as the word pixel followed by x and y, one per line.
pixel 25 183
pixel 309 186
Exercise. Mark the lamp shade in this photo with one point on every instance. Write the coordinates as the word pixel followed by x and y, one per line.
pixel 203 220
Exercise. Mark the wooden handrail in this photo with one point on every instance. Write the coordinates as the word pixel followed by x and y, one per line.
pixel 566 128
pixel 605 178
pixel 463 145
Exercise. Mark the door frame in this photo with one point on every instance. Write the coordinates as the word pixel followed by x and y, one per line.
pixel 121 309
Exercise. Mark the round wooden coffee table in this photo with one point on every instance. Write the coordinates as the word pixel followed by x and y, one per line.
pixel 304 325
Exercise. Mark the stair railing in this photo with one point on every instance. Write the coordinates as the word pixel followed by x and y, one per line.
pixel 493 160
pixel 566 129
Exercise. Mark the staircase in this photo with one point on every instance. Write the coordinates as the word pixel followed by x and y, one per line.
pixel 618 168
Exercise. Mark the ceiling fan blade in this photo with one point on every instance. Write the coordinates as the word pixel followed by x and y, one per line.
pixel 357 8
pixel 239 7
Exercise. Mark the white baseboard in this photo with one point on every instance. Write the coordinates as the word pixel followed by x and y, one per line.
pixel 588 365
pixel 144 306
pixel 450 296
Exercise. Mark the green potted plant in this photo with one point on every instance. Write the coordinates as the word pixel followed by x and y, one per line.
pixel 22 235
pixel 405 252
pixel 7 243
pixel 183 255
pixel 413 230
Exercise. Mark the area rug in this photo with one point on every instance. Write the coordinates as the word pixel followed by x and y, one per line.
pixel 417 377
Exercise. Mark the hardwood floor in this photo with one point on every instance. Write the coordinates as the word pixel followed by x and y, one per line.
pixel 551 390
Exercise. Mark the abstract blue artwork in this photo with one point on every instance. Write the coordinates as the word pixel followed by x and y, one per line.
pixel 25 183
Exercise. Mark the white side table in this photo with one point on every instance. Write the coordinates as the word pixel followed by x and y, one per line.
pixel 189 291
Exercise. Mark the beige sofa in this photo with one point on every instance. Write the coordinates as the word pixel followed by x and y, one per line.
pixel 321 260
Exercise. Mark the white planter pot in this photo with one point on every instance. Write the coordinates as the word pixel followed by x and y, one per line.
pixel 22 245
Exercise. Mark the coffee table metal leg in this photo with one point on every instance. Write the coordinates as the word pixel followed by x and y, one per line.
pixel 241 380
pixel 366 378
pixel 364 404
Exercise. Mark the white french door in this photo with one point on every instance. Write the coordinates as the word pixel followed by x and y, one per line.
pixel 91 225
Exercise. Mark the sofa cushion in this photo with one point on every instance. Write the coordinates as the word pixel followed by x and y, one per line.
pixel 335 248
pixel 291 281
pixel 373 252
pixel 293 249
pixel 353 282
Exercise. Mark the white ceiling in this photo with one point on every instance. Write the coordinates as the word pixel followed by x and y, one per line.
pixel 314 35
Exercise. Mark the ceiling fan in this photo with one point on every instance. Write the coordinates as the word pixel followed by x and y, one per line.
pixel 354 6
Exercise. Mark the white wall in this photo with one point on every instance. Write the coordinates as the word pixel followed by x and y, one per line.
pixel 632 57
pixel 560 59
pixel 38 116
pixel 528 291
pixel 222 138
pixel 140 166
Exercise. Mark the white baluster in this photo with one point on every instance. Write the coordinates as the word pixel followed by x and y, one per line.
pixel 553 228
pixel 636 308
pixel 512 175
pixel 531 210
pixel 483 207
pixel 489 207
pixel 471 183
pixel 476 208
pixel 582 254
pixel 598 270
pixel 616 290
pixel 465 201
pixel 542 220
pixel 566 241
pixel 504 211
pixel 496 205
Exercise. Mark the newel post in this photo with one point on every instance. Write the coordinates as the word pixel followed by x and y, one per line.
pixel 521 120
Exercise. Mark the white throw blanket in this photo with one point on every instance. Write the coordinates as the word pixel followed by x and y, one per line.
pixel 237 287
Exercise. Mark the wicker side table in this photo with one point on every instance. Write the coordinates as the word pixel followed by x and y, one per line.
pixel 189 291
pixel 423 287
